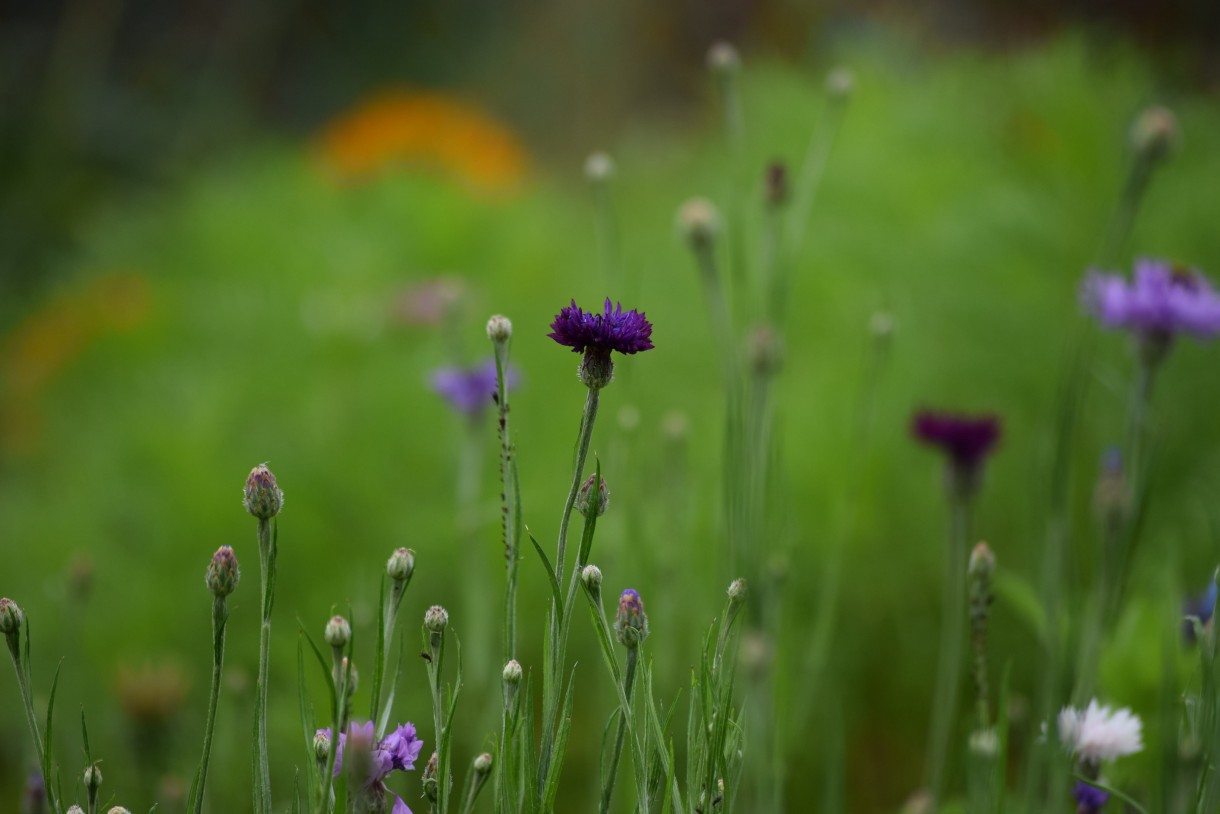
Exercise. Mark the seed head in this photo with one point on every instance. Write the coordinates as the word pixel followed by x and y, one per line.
pixel 436 619
pixel 401 564
pixel 11 617
pixel 223 574
pixel 585 499
pixel 631 623
pixel 499 329
pixel 262 496
pixel 338 632
pixel 512 672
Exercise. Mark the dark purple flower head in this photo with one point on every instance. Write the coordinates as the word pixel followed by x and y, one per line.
pixel 611 330
pixel 1089 799
pixel 967 440
pixel 469 390
pixel 1160 300
pixel 397 751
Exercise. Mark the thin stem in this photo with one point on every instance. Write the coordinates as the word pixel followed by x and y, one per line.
pixel 510 504
pixel 266 550
pixel 341 709
pixel 948 671
pixel 27 702
pixel 220 615
pixel 472 793
pixel 582 453
pixel 1124 213
pixel 621 734
pixel 437 646
pixel 812 171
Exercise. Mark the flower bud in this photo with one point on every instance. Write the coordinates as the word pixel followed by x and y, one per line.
pixel 338 632
pixel 262 496
pixel 512 672
pixel 401 564
pixel 840 82
pixel 983 742
pixel 223 574
pixel 777 184
pixel 93 779
pixel 982 561
pixel 436 619
pixel 764 350
pixel 482 763
pixel 431 789
pixel 881 325
pixel 11 617
pixel 585 500
pixel 592 577
pixel 499 329
pixel 1155 133
pixel 118 810
pixel 723 59
pixel 75 809
pixel 631 623
pixel 699 222
pixel 599 167
pixel 738 591
pixel 321 745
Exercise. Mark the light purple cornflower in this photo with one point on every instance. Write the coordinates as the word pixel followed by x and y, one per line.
pixel 396 751
pixel 470 389
pixel 1158 302
pixel 965 440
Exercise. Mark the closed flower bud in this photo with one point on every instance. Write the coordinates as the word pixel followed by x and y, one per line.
pixel 764 350
pixel 512 672
pixel 585 499
pixel 436 619
pixel 982 562
pixel 223 574
pixel 738 591
pixel 840 82
pixel 338 632
pixel 11 617
pixel 401 564
pixel 482 763
pixel 592 577
pixel 262 496
pixel 698 222
pixel 118 810
pixel 75 810
pixel 1155 133
pixel 429 778
pixel 631 623
pixel 599 167
pixel 321 745
pixel 93 778
pixel 499 329
pixel 723 59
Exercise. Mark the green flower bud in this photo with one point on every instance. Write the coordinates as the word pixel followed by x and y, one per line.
pixel 723 59
pixel 223 574
pixel 93 779
pixel 738 591
pixel 482 763
pixel 698 222
pixel 584 497
pixel 321 746
pixel 512 672
pixel 11 617
pixel 338 632
pixel 401 564
pixel 1155 133
pixel 262 496
pixel 499 329
pixel 431 789
pixel 592 577
pixel 436 619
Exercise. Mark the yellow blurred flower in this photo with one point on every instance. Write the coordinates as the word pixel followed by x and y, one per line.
pixel 397 126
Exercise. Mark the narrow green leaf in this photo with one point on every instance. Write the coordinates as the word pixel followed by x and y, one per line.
pixel 561 744
pixel 556 594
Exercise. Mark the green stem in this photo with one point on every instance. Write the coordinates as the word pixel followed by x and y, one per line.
pixel 472 793
pixel 437 646
pixel 266 550
pixel 27 702
pixel 341 710
pixel 620 735
pixel 1124 213
pixel 220 615
pixel 948 671
pixel 510 504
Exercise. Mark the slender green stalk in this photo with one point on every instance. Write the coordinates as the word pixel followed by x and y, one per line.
pixel 27 702
pixel 341 709
pixel 948 671
pixel 477 779
pixel 812 170
pixel 628 685
pixel 510 503
pixel 220 615
pixel 267 552
pixel 553 677
pixel 1123 218
pixel 436 663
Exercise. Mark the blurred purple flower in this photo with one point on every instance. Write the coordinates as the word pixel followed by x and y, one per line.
pixel 470 389
pixel 967 440
pixel 1160 300
pixel 1089 799
pixel 396 751
pixel 1202 607
pixel 611 330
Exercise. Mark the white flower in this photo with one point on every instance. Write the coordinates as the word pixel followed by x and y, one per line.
pixel 1099 733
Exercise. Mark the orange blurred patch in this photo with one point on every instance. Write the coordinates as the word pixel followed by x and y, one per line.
pixel 40 347
pixel 399 126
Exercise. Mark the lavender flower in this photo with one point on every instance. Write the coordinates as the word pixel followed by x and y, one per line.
pixel 1089 799
pixel 966 440
pixel 595 335
pixel 470 389
pixel 396 751
pixel 1159 302
pixel 631 623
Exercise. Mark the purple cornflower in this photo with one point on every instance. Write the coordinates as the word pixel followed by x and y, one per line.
pixel 1089 799
pixel 397 750
pixel 1160 301
pixel 469 390
pixel 966 440
pixel 595 335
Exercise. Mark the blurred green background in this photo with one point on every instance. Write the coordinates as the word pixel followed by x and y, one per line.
pixel 222 236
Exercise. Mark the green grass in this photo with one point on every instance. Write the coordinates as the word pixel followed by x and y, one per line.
pixel 966 194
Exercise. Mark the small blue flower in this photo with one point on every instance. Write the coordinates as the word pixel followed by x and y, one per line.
pixel 469 390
